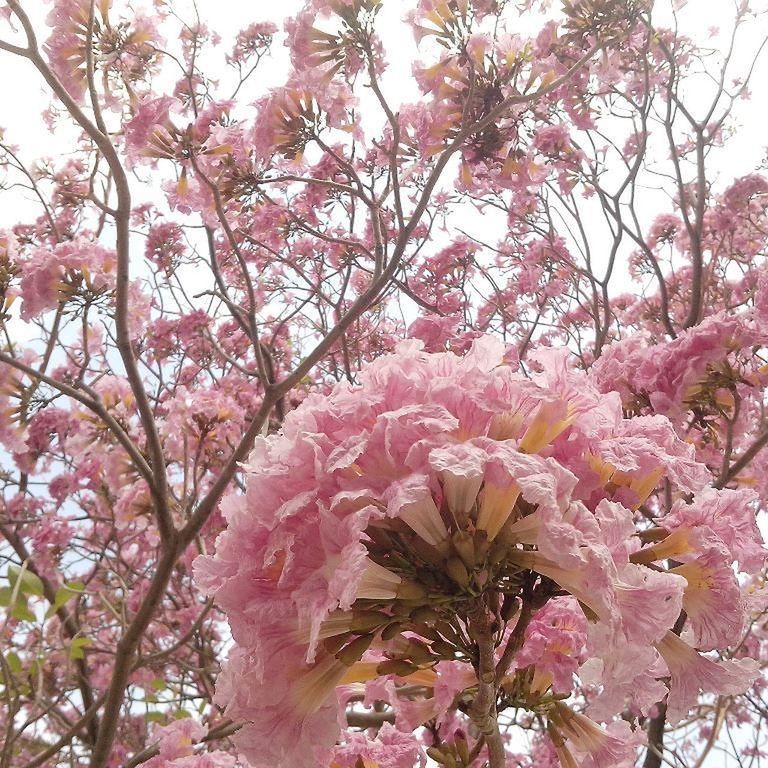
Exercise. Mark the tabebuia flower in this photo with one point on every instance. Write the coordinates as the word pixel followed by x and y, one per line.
pixel 398 528
pixel 124 50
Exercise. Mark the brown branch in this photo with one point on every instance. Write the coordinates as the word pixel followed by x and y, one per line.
pixel 743 460
pixel 158 488
pixel 369 719
pixel 93 405
pixel 655 753
pixel 69 624
pixel 66 738
pixel 483 711
pixel 221 731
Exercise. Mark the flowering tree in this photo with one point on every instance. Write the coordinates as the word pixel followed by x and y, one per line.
pixel 359 419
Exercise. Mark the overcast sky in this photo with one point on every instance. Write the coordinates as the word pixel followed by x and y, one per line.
pixel 23 97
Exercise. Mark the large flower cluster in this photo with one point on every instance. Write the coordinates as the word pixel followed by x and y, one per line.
pixel 392 524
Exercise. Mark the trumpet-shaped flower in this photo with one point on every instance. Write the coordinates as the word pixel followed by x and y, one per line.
pixel 730 514
pixel 596 746
pixel 712 600
pixel 691 673
pixel 384 515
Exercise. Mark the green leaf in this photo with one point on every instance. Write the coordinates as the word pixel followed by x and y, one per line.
pixel 14 662
pixel 21 611
pixel 158 684
pixel 181 714
pixel 155 717
pixel 64 595
pixel 30 583
pixel 5 596
pixel 76 647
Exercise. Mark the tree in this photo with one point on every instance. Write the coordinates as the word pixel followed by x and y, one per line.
pixel 526 534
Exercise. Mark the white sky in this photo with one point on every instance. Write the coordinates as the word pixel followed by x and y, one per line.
pixel 23 97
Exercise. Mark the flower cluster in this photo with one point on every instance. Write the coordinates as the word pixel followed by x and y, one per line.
pixel 53 274
pixel 393 522
pixel 121 52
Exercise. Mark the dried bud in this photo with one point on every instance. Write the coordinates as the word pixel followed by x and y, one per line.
pixel 418 652
pixel 462 748
pixel 509 607
pixel 482 545
pixel 380 537
pixel 425 614
pixel 355 650
pixel 425 551
pixel 456 569
pixel 426 631
pixel 464 547
pixel 363 621
pixel 444 649
pixel 398 667
pixel 333 644
pixel 448 632
pixel 410 590
pixel 393 630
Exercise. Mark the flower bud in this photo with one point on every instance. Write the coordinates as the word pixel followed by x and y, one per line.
pixel 363 621
pixel 482 545
pixel 456 569
pixel 398 667
pixel 418 652
pixel 393 630
pixel 464 547
pixel 462 748
pixel 442 756
pixel 355 650
pixel 497 552
pixel 425 613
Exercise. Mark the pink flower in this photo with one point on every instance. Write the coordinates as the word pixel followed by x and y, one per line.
pixel 555 643
pixel 626 679
pixel 252 41
pixel 215 759
pixel 730 514
pixel 598 748
pixel 712 599
pixel 390 749
pixel 125 48
pixel 50 275
pixel 177 739
pixel 552 139
pixel 434 331
pixel 691 673
pixel 384 509
pixel 150 126
pixel 669 376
